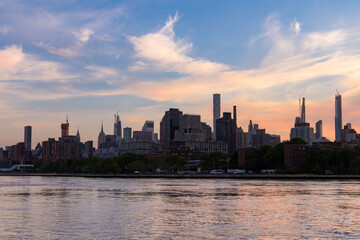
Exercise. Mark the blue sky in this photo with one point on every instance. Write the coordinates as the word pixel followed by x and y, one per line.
pixel 92 58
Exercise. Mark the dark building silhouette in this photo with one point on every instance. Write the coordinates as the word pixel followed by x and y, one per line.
pixel 226 131
pixel 168 125
pixel 27 138
pixel 338 118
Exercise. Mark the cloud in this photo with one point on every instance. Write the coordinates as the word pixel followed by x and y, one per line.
pixel 84 35
pixel 295 26
pixel 324 40
pixel 162 51
pixel 100 72
pixel 10 56
pixel 16 65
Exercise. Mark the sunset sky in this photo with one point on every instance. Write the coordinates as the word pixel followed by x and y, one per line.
pixel 89 59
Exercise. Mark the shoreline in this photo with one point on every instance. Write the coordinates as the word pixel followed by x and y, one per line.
pixel 195 176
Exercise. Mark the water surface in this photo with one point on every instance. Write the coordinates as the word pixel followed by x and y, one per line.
pixel 101 208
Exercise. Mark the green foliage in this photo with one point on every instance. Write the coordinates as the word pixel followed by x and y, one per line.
pixel 175 162
pixel 296 141
pixel 214 160
pixel 233 163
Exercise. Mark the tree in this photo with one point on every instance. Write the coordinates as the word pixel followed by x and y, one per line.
pixel 175 162
pixel 214 160
pixel 233 163
pixel 296 141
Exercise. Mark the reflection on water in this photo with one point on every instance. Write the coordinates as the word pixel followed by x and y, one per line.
pixel 86 208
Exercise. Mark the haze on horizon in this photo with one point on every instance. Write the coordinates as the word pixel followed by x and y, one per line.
pixel 91 59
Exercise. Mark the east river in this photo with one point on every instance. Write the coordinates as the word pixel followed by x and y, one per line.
pixel 102 208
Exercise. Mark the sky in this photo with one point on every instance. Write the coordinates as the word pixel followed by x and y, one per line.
pixel 92 59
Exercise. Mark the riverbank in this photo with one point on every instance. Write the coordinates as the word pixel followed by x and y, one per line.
pixel 194 176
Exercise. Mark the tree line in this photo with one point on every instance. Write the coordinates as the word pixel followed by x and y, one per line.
pixel 317 161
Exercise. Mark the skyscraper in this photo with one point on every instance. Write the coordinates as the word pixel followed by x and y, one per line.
pixel 302 129
pixel 102 137
pixel 338 118
pixel 319 130
pixel 65 128
pixel 127 134
pixel 226 131
pixel 168 125
pixel 216 111
pixel 78 134
pixel 27 138
pixel 117 129
pixel 250 133
pixel 234 112
pixel 149 127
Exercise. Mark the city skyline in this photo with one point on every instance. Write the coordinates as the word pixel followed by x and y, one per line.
pixel 52 64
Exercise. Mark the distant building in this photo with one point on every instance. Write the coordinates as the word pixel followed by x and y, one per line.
pixel 143 136
pixel 274 140
pixel 226 131
pixel 117 130
pixel 241 138
pixel 190 128
pixel 4 159
pixel 260 138
pixel 149 127
pixel 78 135
pixel 206 132
pixel 139 147
pixel 319 130
pixel 101 137
pixel 349 135
pixel 302 129
pixel 338 118
pixel 110 142
pixel 88 149
pixel 27 138
pixel 168 125
pixel 69 147
pixel 250 132
pixel 127 134
pixel 216 111
pixel 65 128
pixel 50 150
pixel 193 150
pixel 18 154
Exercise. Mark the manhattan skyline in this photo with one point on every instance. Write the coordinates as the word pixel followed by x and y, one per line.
pixel 90 60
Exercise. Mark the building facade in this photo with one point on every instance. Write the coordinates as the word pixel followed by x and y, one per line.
pixel 338 118
pixel 216 111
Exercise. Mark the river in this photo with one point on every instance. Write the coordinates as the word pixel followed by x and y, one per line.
pixel 101 208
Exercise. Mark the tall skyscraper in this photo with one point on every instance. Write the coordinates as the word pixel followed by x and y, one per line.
pixel 226 131
pixel 318 130
pixel 216 111
pixel 234 112
pixel 303 116
pixel 102 137
pixel 168 125
pixel 65 128
pixel 302 129
pixel 27 138
pixel 250 133
pixel 117 129
pixel 78 135
pixel 338 118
